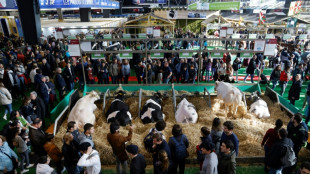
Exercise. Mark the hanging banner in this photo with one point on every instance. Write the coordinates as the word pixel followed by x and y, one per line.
pixel 147 2
pixel 186 55
pixel 269 36
pixel 287 36
pixel 235 36
pixel 107 36
pixel 126 55
pixel 259 45
pixel 197 15
pixel 291 22
pixel 97 56
pixel 156 33
pixel 246 55
pixel 201 5
pixel 303 37
pixel 46 4
pixel 126 36
pixel 59 34
pixel 270 48
pixel 217 55
pixel 157 55
pixel 252 36
pixel 74 48
pixel 142 36
pixel 8 4
pixel 149 30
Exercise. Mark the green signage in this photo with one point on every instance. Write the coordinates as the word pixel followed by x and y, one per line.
pixel 246 55
pixel 89 36
pixel 142 35
pixel 126 36
pixel 107 36
pixel 291 22
pixel 157 55
pixel 97 56
pixel 269 36
pixel 217 55
pixel 303 37
pixel 71 37
pixel 203 5
pixel 126 55
pixel 186 55
pixel 252 36
pixel 235 36
pixel 286 36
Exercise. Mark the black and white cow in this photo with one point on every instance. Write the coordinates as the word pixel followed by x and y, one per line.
pixel 152 110
pixel 119 110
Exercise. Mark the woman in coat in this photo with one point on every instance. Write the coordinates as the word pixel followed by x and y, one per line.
pixel 294 92
pixel 6 153
pixel 5 100
pixel 251 69
pixel 275 76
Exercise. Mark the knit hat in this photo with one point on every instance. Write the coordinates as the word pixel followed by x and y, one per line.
pixel 114 126
pixel 133 149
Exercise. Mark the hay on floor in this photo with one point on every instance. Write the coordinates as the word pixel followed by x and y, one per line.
pixel 249 129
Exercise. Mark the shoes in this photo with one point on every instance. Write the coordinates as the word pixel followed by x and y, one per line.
pixel 4 117
pixel 24 171
pixel 29 166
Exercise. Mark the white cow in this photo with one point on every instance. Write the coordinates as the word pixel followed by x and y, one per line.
pixel 186 112
pixel 83 111
pixel 259 107
pixel 231 95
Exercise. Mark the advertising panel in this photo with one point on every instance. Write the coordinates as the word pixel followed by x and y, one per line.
pixel 8 4
pixel 200 15
pixel 143 2
pixel 203 5
pixel 78 4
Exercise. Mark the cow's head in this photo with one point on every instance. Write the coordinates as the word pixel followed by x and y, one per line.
pixel 157 97
pixel 253 97
pixel 94 95
pixel 216 85
pixel 120 95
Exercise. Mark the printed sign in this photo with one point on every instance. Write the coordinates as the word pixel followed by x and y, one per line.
pixel 259 45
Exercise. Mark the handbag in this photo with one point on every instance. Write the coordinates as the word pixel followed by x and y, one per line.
pixel 14 162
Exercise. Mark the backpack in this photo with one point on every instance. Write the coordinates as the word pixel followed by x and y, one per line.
pixel 180 148
pixel 148 140
pixel 289 159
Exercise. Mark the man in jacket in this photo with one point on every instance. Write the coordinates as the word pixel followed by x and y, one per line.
pixel 160 144
pixel 277 151
pixel 113 69
pixel 227 158
pixel 228 134
pixel 60 83
pixel 38 137
pixel 38 106
pixel 69 76
pixel 138 163
pixel 87 135
pixel 45 92
pixel 139 71
pixel 251 69
pixel 90 159
pixel 117 141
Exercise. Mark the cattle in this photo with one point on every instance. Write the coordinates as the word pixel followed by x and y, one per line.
pixel 231 96
pixel 259 107
pixel 83 110
pixel 186 112
pixel 152 110
pixel 119 110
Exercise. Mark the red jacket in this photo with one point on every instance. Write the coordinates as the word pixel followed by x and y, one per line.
pixel 284 76
pixel 270 137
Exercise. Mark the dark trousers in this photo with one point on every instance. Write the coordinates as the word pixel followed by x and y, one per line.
pixel 126 77
pixel 139 79
pixel 178 164
pixel 292 101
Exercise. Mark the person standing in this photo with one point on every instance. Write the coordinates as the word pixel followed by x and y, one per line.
pixel 304 168
pixel 277 151
pixel 69 76
pixel 178 144
pixel 45 92
pixel 60 83
pixel 251 69
pixel 270 138
pixel 284 78
pixel 70 153
pixel 38 106
pixel 125 70
pixel 113 70
pixel 103 74
pixel 229 135
pixel 210 162
pixel 294 92
pixel 236 67
pixel 6 153
pixel 117 141
pixel 275 76
pixel 5 100
pixel 227 158
pixel 90 159
pixel 167 73
pixel 138 163
pixel 159 144
pixel 87 135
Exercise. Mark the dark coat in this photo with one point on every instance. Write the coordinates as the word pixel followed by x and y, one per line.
pixel 172 145
pixel 59 82
pixel 69 77
pixel 227 163
pixel 71 155
pixel 277 151
pixel 44 91
pixel 138 165
pixel 46 69
pixel 275 75
pixel 251 68
pixel 297 135
pixel 38 138
pixel 52 87
pixel 295 90
pixel 40 107
pixel 163 146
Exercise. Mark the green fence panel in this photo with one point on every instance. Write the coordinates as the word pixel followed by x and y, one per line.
pixel 60 107
pixel 288 105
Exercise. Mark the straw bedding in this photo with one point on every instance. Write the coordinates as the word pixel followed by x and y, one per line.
pixel 248 128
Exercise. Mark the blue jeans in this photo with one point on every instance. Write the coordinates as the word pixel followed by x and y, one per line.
pixel 236 72
pixel 121 166
pixel 283 85
pixel 213 71
pixel 73 170
pixel 275 171
pixel 274 83
pixel 252 76
pixel 207 75
pixel 166 80
pixel 24 158
pixel 8 108
pixel 114 79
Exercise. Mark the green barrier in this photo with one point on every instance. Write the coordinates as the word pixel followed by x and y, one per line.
pixel 293 109
pixel 60 107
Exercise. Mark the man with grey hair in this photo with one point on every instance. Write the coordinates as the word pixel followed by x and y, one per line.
pixel 38 106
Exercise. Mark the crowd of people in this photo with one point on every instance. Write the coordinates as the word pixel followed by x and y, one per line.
pixel 48 68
